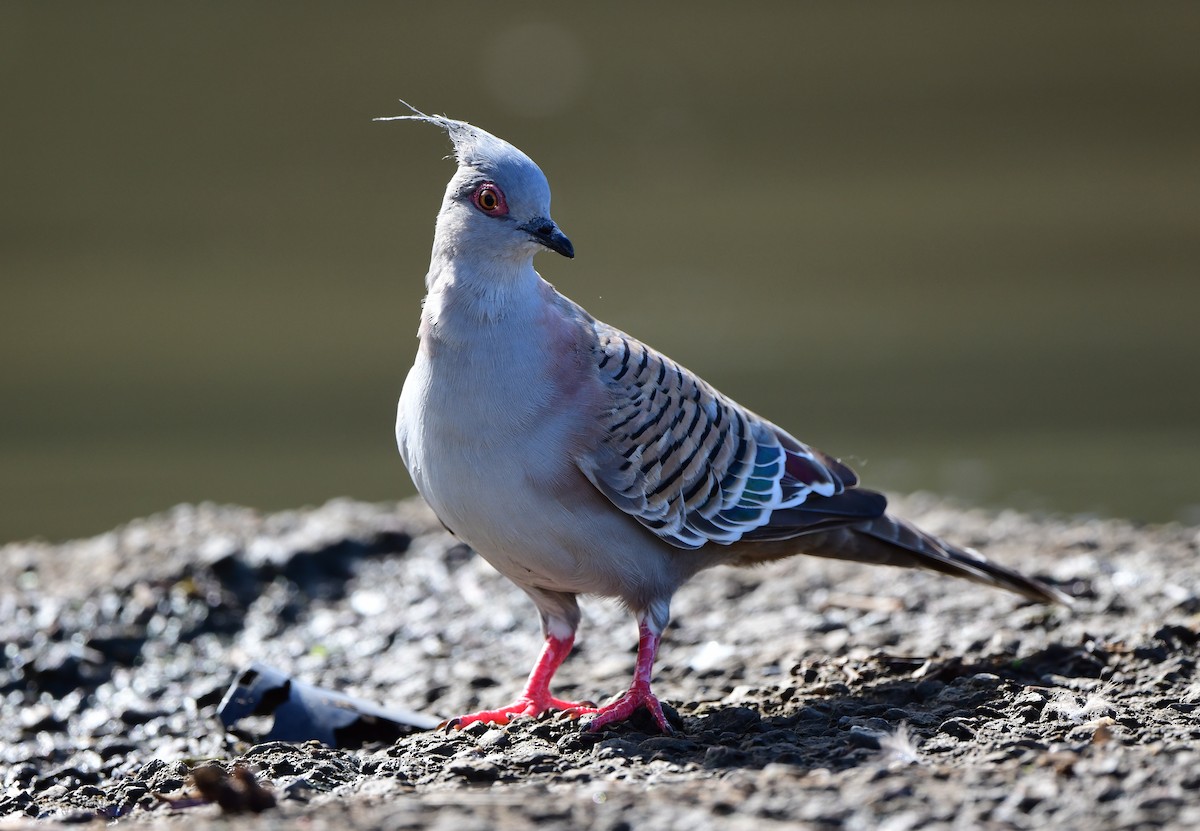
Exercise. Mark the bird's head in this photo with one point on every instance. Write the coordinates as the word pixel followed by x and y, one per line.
pixel 498 202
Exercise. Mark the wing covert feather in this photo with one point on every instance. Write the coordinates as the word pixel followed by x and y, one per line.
pixel 695 467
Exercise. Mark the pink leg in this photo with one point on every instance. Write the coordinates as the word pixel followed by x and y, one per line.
pixel 638 694
pixel 536 698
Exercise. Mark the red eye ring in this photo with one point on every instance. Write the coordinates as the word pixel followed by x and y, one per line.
pixel 490 199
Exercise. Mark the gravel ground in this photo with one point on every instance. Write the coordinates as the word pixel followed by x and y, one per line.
pixel 807 693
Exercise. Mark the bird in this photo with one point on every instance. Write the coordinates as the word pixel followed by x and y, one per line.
pixel 577 460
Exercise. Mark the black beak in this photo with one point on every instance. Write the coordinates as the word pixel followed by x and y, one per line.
pixel 546 232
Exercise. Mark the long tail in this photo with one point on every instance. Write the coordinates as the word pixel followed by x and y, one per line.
pixel 891 541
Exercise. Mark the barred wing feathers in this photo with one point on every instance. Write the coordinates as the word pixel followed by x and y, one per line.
pixel 694 467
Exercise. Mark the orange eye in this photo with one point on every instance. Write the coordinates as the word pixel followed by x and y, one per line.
pixel 490 199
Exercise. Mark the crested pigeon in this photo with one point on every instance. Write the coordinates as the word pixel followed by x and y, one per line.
pixel 577 460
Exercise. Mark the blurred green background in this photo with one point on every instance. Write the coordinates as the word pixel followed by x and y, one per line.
pixel 956 244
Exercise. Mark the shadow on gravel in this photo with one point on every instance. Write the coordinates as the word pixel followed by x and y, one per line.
pixel 838 725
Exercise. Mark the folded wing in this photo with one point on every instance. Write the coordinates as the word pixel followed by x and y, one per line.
pixel 694 467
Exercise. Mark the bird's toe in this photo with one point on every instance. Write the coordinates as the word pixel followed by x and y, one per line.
pixel 623 708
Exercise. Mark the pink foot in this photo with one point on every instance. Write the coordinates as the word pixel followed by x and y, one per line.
pixel 522 707
pixel 536 698
pixel 623 708
pixel 638 694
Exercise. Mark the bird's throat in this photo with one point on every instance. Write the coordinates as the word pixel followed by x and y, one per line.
pixel 464 304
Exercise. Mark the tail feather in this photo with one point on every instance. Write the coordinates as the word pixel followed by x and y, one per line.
pixel 891 541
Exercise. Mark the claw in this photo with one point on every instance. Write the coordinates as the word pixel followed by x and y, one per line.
pixel 624 707
pixel 523 707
